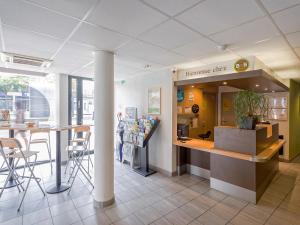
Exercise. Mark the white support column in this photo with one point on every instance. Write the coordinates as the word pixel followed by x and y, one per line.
pixel 104 129
pixel 62 112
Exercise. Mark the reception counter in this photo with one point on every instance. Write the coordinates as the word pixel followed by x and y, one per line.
pixel 240 162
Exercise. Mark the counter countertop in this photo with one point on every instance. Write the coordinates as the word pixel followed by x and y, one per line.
pixel 208 146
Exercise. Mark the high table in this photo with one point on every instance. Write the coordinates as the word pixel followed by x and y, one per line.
pixel 58 186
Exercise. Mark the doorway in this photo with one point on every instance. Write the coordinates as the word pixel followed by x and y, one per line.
pixel 81 103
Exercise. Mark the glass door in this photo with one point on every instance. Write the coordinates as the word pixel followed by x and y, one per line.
pixel 81 103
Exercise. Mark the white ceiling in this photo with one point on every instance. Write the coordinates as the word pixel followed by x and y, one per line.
pixel 148 35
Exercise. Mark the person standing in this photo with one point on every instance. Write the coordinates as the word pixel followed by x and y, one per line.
pixel 20 119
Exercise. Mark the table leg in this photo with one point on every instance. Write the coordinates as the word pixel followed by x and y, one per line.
pixel 58 186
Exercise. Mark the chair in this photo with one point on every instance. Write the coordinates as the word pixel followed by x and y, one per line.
pixel 205 136
pixel 11 173
pixel 77 152
pixel 45 140
pixel 79 137
pixel 18 154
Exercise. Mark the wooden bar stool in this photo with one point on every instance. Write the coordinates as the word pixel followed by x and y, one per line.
pixel 44 140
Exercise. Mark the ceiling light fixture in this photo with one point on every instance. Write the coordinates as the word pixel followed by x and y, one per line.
pixel 224 83
pixel 193 86
pixel 266 89
pixel 222 48
pixel 256 85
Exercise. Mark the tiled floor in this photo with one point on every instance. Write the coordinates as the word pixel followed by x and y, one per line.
pixel 157 200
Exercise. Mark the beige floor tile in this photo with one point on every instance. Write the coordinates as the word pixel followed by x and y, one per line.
pixel 193 209
pixel 37 216
pixel 209 218
pixel 15 221
pixel 224 211
pixel 66 218
pixel 117 213
pixel 129 220
pixel 88 210
pixel 205 201
pixel 216 195
pixel 281 216
pixel 200 187
pixel 62 208
pixel 148 215
pixel 256 213
pixel 234 202
pixel 98 219
pixel 161 221
pixel 243 219
pixel 179 217
pixel 164 207
pixel 178 199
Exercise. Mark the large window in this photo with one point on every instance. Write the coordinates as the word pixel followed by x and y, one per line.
pixel 35 96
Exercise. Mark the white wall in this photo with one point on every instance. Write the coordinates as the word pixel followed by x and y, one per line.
pixel 134 93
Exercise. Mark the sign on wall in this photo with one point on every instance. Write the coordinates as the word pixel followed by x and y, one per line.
pixel 222 68
pixel 154 101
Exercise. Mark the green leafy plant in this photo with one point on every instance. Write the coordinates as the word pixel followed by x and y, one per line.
pixel 13 84
pixel 249 108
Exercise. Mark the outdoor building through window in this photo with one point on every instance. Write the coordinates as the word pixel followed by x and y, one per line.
pixel 26 98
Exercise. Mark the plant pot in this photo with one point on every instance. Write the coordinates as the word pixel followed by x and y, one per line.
pixel 248 122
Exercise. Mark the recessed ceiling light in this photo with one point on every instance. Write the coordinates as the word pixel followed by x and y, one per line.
pixel 193 86
pixel 256 85
pixel 225 83
pixel 266 89
pixel 273 91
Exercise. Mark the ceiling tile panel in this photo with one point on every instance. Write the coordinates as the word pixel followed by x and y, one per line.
pixel 294 39
pixel 218 57
pixel 76 54
pixel 137 63
pixel 251 32
pixel 172 7
pixel 275 5
pixel 29 43
pixel 170 35
pixel 97 37
pixel 127 16
pixel 149 52
pixel 29 17
pixel 122 69
pixel 213 16
pixel 260 49
pixel 197 48
pixel 288 20
pixel 87 71
pixel 75 8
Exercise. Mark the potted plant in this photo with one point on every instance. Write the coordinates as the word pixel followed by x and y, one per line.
pixel 249 107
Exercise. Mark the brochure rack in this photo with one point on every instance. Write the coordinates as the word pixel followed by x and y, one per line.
pixel 144 169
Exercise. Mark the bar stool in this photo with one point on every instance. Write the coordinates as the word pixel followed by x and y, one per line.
pixel 19 154
pixel 45 140
pixel 11 173
pixel 83 131
pixel 78 152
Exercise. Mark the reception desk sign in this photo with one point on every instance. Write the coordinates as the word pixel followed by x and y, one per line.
pixel 228 67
